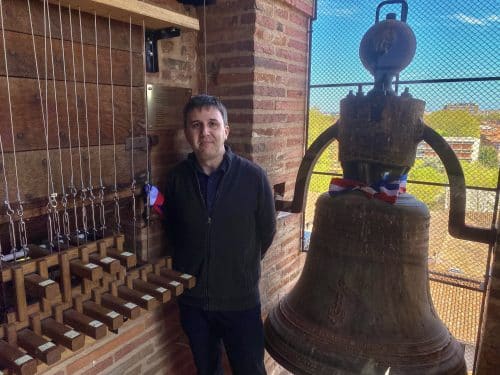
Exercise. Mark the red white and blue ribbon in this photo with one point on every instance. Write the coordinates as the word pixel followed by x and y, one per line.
pixel 156 199
pixel 385 190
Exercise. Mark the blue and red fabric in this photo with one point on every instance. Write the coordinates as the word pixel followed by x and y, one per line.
pixel 386 189
pixel 156 198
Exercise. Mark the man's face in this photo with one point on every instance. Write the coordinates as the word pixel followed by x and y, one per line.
pixel 206 132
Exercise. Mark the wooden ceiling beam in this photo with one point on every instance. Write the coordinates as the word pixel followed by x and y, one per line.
pixel 154 17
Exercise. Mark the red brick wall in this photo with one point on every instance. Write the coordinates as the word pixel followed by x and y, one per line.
pixel 257 55
pixel 151 344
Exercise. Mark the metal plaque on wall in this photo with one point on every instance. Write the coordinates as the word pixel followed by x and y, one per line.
pixel 165 106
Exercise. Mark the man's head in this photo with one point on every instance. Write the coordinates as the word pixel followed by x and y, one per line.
pixel 206 128
pixel 203 100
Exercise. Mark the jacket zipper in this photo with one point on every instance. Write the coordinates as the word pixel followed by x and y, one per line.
pixel 207 241
pixel 209 223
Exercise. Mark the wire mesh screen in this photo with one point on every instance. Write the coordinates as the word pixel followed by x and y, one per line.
pixel 456 71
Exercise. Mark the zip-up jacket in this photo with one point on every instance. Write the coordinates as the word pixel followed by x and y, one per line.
pixel 224 249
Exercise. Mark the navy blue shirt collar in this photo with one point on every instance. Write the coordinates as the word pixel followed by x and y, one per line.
pixel 209 184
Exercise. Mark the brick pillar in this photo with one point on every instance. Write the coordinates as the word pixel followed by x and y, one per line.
pixel 257 63
pixel 257 58
pixel 489 358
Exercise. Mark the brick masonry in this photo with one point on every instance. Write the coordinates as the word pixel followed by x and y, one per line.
pixel 489 358
pixel 256 61
pixel 257 56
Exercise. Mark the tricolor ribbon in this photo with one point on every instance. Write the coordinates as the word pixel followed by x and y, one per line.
pixel 156 198
pixel 385 190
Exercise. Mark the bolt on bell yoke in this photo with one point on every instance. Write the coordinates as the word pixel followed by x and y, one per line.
pixel 362 303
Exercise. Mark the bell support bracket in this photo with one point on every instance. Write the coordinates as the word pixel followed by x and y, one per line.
pixel 456 226
pixel 305 170
pixel 456 222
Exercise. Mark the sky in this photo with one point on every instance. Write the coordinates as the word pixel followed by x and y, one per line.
pixel 455 39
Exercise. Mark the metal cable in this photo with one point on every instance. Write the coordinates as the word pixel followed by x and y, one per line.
pixel 205 43
pixel 148 209
pixel 90 196
pixel 21 224
pixel 4 293
pixel 132 166
pixel 102 213
pixel 83 190
pixel 64 200
pixel 53 201
pixel 12 233
pixel 116 198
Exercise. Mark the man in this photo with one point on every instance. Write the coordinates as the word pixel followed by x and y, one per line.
pixel 220 221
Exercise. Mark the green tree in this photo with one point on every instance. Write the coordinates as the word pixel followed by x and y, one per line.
pixel 491 116
pixel 318 123
pixel 488 156
pixel 428 170
pixel 328 161
pixel 451 123
pixel 477 174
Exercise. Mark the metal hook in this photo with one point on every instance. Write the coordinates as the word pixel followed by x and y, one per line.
pixel 102 212
pixel 92 198
pixel 116 198
pixel 12 229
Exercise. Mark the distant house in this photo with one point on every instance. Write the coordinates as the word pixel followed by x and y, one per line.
pixel 469 107
pixel 490 134
pixel 466 148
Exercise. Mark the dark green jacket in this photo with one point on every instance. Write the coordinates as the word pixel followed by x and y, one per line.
pixel 223 250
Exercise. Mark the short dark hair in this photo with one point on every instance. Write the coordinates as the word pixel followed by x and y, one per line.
pixel 203 100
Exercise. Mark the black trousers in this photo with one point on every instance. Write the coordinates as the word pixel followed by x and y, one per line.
pixel 241 333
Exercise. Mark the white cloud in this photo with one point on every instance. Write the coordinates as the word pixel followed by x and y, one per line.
pixel 325 9
pixel 493 18
pixel 468 19
pixel 474 20
pixel 344 12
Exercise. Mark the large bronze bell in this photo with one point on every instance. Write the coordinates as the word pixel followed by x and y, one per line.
pixel 362 304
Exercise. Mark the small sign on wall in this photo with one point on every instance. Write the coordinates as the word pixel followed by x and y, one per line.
pixel 165 106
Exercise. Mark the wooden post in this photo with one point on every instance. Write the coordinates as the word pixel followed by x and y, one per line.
pixel 119 241
pixel 84 254
pixel 11 334
pixel 21 305
pixel 43 269
pixel 36 323
pixel 64 269
pixel 102 246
